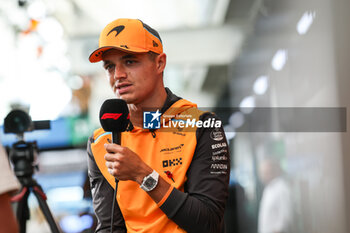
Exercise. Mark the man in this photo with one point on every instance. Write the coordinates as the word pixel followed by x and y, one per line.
pixel 170 180
pixel 275 213
pixel 8 184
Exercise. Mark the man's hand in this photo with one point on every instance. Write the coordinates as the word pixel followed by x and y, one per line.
pixel 124 164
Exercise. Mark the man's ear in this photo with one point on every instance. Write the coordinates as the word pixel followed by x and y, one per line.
pixel 161 62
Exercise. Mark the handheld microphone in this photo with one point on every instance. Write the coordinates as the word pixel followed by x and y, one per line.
pixel 114 117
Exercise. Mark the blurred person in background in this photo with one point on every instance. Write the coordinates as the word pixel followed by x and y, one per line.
pixel 275 213
pixel 168 181
pixel 8 184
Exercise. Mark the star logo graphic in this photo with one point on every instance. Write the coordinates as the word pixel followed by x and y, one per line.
pixel 155 115
pixel 151 120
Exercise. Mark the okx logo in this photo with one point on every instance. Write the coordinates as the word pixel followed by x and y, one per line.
pixel 151 120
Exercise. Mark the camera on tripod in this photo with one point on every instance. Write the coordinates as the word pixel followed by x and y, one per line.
pixel 23 154
pixel 18 122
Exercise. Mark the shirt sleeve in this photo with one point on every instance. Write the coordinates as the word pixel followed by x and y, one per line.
pixel 201 207
pixel 8 180
pixel 102 196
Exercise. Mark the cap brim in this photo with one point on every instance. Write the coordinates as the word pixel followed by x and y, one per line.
pixel 96 55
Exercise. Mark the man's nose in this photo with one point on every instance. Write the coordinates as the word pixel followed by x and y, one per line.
pixel 119 72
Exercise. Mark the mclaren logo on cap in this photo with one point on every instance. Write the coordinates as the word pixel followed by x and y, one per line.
pixel 118 29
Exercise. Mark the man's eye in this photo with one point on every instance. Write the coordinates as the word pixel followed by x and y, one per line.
pixel 109 67
pixel 129 62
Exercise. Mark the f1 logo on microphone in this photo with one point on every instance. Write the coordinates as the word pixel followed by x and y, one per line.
pixel 113 116
pixel 151 120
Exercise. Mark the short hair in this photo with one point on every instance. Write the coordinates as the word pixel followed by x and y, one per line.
pixel 152 55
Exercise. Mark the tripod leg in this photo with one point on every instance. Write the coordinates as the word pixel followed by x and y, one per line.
pixel 41 197
pixel 23 209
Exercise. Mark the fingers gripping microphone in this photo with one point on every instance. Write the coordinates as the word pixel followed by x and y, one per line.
pixel 114 117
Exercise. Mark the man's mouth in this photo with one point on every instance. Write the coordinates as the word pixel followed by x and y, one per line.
pixel 122 88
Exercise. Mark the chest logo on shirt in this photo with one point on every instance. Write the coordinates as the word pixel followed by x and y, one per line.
pixel 171 149
pixel 172 162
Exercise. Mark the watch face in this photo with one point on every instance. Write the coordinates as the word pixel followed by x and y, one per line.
pixel 150 182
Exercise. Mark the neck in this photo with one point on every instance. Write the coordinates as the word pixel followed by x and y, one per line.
pixel 136 110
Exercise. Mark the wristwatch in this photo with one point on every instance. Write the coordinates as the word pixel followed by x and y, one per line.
pixel 150 181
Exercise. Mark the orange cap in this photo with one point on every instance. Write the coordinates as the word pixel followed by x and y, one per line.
pixel 131 35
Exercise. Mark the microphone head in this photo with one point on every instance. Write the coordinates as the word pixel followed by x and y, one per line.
pixel 114 115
